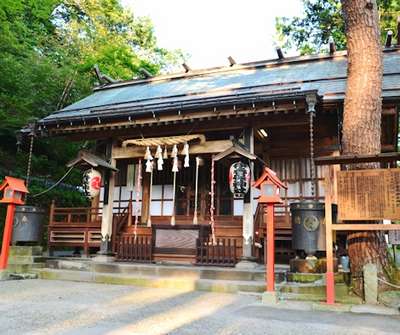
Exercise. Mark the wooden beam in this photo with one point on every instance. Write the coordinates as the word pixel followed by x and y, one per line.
pixel 208 147
pixel 206 125
pixel 353 159
pixel 365 227
pixel 170 117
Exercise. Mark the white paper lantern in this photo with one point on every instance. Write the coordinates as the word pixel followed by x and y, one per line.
pixel 92 183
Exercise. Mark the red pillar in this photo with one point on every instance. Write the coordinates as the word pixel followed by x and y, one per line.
pixel 270 266
pixel 7 236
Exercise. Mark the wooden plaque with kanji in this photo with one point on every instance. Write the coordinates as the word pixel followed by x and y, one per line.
pixel 368 194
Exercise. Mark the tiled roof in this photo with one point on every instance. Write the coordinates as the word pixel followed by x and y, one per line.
pixel 250 82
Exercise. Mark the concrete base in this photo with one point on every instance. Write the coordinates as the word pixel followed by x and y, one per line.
pixel 103 258
pixel 4 275
pixel 270 298
pixel 374 309
pixel 324 307
pixel 246 264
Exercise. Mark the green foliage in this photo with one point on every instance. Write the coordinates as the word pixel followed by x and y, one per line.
pixel 323 19
pixel 45 45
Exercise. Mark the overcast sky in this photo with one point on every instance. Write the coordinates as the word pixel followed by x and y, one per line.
pixel 212 30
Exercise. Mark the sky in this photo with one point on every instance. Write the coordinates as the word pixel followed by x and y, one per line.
pixel 211 30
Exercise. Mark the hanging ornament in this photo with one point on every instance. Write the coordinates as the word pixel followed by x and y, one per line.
pixel 174 152
pixel 158 152
pixel 160 163
pixel 159 157
pixel 175 164
pixel 165 156
pixel 186 161
pixel 185 152
pixel 149 166
pixel 147 155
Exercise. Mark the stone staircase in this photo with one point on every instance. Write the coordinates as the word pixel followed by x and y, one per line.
pixel 23 260
pixel 214 279
pixel 162 276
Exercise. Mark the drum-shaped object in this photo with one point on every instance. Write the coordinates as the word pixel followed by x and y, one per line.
pixel 308 226
pixel 28 225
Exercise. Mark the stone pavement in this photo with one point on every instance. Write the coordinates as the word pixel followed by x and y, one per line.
pixel 55 307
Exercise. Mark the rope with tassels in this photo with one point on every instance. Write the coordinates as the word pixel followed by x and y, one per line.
pixel 212 208
pixel 138 187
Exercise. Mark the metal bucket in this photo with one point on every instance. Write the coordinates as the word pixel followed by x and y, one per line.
pixel 28 225
pixel 308 226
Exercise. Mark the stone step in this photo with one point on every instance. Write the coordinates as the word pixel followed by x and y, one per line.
pixel 184 283
pixel 24 268
pixel 318 289
pixel 194 272
pixel 313 277
pixel 16 259
pixel 342 299
pixel 17 250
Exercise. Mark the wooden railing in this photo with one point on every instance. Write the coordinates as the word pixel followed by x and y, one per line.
pixel 131 249
pixel 283 232
pixel 74 227
pixel 222 253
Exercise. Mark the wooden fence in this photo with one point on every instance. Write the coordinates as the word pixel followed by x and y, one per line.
pixel 222 253
pixel 129 249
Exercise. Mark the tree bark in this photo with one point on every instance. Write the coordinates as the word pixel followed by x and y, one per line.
pixel 362 113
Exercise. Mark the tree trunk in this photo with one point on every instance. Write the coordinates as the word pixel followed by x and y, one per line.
pixel 362 113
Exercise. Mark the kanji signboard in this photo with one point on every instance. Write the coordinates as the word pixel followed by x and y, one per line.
pixel 368 194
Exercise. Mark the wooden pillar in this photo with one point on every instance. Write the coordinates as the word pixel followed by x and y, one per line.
pixel 145 198
pixel 107 214
pixel 248 218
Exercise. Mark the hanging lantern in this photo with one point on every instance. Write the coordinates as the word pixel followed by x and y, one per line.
pixel 239 179
pixel 91 183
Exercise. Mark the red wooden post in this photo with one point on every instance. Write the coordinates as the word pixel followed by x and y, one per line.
pixel 8 228
pixel 14 194
pixel 270 261
pixel 269 185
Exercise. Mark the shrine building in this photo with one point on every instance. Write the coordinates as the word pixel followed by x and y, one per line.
pixel 170 175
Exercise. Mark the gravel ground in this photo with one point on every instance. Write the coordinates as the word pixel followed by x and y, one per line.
pixel 55 307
